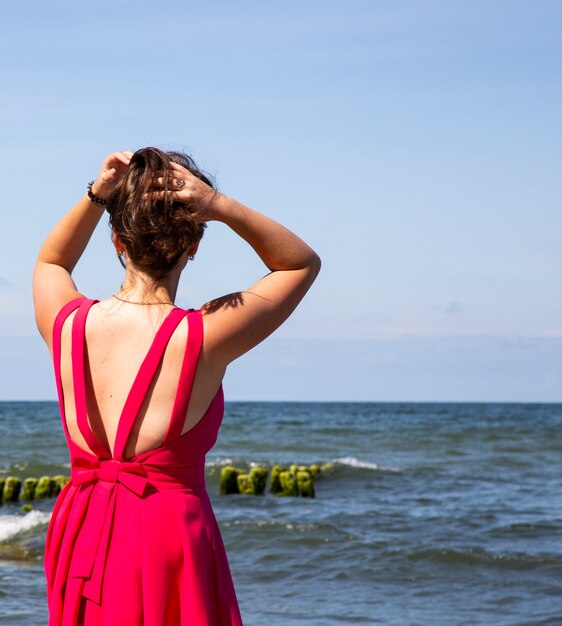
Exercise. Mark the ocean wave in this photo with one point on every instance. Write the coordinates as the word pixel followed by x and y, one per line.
pixel 219 462
pixel 479 556
pixel 348 461
pixel 527 529
pixel 13 525
pixel 351 461
pixel 299 527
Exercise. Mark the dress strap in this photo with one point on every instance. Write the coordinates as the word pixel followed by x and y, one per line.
pixel 187 374
pixel 144 377
pixel 78 379
pixel 60 319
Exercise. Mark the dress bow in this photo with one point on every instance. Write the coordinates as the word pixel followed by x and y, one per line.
pixel 92 546
pixel 129 473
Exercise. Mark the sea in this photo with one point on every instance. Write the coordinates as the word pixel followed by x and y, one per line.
pixel 430 514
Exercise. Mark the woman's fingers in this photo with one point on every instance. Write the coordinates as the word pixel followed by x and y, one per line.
pixel 161 194
pixel 123 155
pixel 109 175
pixel 172 182
pixel 119 159
pixel 179 168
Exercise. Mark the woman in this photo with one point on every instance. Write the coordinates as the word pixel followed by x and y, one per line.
pixel 132 539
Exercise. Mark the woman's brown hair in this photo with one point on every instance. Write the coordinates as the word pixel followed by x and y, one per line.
pixel 155 232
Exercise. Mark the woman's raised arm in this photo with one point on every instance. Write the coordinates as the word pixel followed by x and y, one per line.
pixel 237 322
pixel 53 286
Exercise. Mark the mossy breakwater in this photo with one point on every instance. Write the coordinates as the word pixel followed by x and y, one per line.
pixel 297 480
pixel 14 489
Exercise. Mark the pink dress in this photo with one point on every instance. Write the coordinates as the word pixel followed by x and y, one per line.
pixel 134 542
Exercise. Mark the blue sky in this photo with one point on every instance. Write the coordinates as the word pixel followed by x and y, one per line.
pixel 416 145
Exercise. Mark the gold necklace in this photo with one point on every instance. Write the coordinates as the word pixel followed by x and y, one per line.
pixel 141 302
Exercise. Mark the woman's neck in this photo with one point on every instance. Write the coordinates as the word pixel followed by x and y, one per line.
pixel 138 287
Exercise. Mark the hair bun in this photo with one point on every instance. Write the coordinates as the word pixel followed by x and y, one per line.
pixel 155 232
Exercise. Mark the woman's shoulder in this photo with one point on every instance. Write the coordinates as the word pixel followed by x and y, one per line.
pixel 69 306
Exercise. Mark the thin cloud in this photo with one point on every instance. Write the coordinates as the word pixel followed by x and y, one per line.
pixel 454 307
pixel 451 309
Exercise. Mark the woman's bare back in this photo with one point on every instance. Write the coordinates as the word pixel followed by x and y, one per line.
pixel 118 337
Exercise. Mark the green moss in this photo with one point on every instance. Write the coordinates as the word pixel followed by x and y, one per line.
pixel 275 485
pixel 29 485
pixel 245 485
pixel 27 507
pixel 304 483
pixel 288 484
pixel 12 488
pixel 229 483
pixel 298 480
pixel 258 476
pixel 60 482
pixel 45 487
pixel 315 471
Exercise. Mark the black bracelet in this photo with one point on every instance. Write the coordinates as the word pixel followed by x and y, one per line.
pixel 93 197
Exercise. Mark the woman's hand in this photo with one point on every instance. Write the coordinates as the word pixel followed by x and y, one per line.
pixel 114 167
pixel 184 187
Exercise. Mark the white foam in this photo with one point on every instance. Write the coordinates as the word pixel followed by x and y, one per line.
pixel 219 462
pixel 351 461
pixel 271 523
pixel 11 525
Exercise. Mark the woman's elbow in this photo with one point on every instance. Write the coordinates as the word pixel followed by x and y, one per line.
pixel 315 264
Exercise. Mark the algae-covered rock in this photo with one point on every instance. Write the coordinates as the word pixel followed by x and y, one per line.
pixel 12 488
pixel 315 471
pixel 29 485
pixel 326 467
pixel 60 482
pixel 288 482
pixel 45 487
pixel 27 507
pixel 258 476
pixel 275 485
pixel 298 480
pixel 244 484
pixel 2 482
pixel 304 484
pixel 229 483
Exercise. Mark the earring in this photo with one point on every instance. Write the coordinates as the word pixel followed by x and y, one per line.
pixel 191 257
